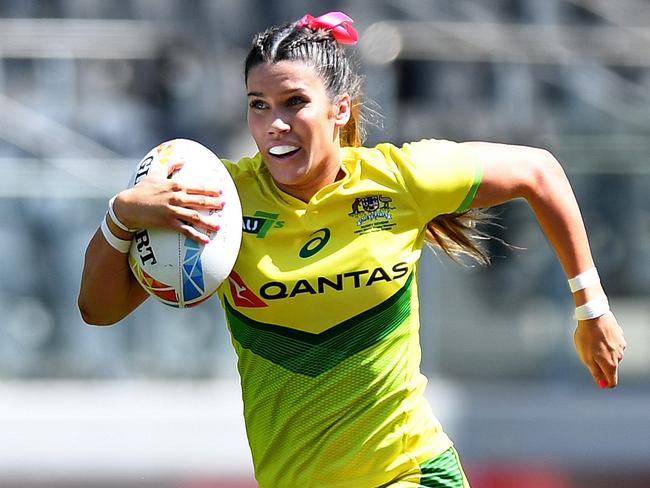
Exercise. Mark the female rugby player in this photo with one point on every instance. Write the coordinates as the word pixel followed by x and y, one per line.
pixel 322 304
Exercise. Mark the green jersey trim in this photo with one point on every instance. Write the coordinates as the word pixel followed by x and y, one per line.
pixel 313 354
pixel 478 175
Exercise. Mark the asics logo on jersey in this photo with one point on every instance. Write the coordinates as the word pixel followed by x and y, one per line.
pixel 261 222
pixel 317 242
pixel 274 290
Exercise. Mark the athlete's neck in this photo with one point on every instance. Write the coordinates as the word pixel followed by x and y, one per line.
pixel 306 192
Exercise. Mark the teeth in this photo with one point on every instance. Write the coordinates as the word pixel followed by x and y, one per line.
pixel 281 150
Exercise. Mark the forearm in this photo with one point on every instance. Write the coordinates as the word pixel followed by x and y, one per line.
pixel 534 174
pixel 108 292
pixel 554 204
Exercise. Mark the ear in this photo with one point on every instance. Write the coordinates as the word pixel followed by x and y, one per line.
pixel 342 110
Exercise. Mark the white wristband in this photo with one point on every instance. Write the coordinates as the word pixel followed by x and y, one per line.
pixel 592 309
pixel 584 280
pixel 116 243
pixel 114 218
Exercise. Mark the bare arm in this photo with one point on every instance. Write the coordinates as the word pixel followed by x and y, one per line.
pixel 534 174
pixel 109 291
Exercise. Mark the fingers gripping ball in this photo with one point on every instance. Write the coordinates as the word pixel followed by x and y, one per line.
pixel 170 266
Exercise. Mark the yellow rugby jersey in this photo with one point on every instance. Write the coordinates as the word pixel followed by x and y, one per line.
pixel 322 306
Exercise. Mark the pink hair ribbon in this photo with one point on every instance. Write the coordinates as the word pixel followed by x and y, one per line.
pixel 337 22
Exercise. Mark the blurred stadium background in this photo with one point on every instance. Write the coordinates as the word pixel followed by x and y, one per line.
pixel 87 87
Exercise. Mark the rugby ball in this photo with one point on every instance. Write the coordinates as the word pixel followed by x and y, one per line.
pixel 171 267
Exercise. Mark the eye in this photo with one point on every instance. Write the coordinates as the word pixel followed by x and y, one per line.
pixel 257 104
pixel 296 100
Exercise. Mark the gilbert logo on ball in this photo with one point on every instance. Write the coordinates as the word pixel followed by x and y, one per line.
pixel 171 267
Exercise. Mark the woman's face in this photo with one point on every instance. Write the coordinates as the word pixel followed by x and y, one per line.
pixel 295 126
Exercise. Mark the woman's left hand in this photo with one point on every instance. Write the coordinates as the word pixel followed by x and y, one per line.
pixel 600 345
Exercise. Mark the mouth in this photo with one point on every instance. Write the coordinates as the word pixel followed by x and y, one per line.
pixel 283 152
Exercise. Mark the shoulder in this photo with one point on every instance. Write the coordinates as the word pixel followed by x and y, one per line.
pixel 252 179
pixel 438 173
pixel 250 174
pixel 422 149
pixel 440 150
pixel 417 157
pixel 244 167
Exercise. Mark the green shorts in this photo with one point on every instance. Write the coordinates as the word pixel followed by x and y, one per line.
pixel 443 471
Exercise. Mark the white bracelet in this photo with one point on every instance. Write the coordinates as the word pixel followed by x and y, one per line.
pixel 116 243
pixel 584 280
pixel 114 218
pixel 592 309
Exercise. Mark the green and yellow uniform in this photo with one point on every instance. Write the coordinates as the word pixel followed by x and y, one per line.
pixel 323 311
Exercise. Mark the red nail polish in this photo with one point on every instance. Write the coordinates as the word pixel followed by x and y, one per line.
pixel 602 383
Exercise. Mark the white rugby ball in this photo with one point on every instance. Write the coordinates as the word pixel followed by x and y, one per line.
pixel 171 267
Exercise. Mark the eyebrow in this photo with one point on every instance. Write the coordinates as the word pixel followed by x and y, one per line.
pixel 284 92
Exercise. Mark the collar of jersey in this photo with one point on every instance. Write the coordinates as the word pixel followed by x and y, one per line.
pixel 347 165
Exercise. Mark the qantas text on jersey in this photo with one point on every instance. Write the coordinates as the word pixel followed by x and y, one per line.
pixel 274 290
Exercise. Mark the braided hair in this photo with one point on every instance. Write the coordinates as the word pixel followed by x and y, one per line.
pixel 319 49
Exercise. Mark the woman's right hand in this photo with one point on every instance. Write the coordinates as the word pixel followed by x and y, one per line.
pixel 109 291
pixel 159 202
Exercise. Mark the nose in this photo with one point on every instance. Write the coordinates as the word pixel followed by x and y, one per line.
pixel 279 125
